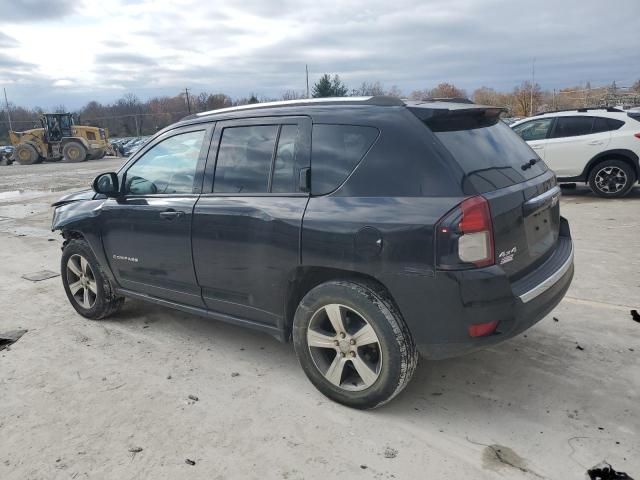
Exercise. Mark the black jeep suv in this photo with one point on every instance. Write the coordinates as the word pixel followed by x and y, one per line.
pixel 364 229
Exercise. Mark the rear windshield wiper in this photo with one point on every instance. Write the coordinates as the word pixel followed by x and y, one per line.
pixel 529 164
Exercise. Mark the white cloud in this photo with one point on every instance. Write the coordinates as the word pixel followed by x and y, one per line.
pixel 103 49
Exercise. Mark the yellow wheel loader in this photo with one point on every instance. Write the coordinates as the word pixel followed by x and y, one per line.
pixel 59 139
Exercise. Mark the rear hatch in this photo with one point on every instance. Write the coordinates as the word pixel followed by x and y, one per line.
pixel 494 162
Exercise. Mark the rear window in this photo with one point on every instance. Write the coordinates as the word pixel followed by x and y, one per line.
pixel 490 154
pixel 335 152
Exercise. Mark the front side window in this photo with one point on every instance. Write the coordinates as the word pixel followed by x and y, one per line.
pixel 533 130
pixel 169 167
pixel 572 126
pixel 244 159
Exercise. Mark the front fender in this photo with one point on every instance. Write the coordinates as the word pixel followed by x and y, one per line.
pixel 83 217
pixel 76 215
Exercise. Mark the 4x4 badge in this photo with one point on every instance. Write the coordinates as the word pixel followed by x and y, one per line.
pixel 507 255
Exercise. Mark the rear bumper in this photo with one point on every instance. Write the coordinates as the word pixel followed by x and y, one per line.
pixel 440 322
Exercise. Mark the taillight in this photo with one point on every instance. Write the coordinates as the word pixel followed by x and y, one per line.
pixel 464 237
pixel 637 135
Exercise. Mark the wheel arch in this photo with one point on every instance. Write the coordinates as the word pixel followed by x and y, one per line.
pixel 80 140
pixel 305 278
pixel 624 155
pixel 35 145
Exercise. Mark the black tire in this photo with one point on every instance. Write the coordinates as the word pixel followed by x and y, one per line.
pixel 96 156
pixel 74 152
pixel 26 154
pixel 608 185
pixel 397 352
pixel 105 303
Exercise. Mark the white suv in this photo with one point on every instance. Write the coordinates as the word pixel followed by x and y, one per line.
pixel 600 146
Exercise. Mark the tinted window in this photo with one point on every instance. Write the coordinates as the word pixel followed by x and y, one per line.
pixel 614 124
pixel 572 126
pixel 169 167
pixel 534 130
pixel 335 152
pixel 490 154
pixel 600 125
pixel 284 167
pixel 244 159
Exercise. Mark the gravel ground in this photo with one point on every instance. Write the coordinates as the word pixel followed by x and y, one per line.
pixel 111 399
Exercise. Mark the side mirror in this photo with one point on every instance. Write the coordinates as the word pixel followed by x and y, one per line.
pixel 107 184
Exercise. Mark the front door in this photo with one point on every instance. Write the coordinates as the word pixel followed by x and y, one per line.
pixel 147 231
pixel 534 132
pixel 246 230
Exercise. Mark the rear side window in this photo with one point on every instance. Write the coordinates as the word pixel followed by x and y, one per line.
pixel 572 127
pixel 335 152
pixel 614 124
pixel 490 154
pixel 244 159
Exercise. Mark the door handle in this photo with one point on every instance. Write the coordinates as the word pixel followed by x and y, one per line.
pixel 596 142
pixel 537 147
pixel 171 214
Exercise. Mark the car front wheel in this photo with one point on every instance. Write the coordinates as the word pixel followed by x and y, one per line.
pixel 86 285
pixel 353 344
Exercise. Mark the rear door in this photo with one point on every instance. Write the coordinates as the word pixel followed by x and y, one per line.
pixel 246 228
pixel 147 231
pixel 573 142
pixel 521 191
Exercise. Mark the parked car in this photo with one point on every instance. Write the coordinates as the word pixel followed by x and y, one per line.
pixel 365 230
pixel 598 146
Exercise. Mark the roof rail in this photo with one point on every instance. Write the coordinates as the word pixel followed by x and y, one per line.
pixel 585 109
pixel 380 100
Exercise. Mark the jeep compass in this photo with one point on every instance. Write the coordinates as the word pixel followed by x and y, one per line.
pixel 365 230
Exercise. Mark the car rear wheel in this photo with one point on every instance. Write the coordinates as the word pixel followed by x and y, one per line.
pixel 74 152
pixel 612 178
pixel 25 154
pixel 87 287
pixel 353 344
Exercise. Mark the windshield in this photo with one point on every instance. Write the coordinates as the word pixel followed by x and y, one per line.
pixel 490 154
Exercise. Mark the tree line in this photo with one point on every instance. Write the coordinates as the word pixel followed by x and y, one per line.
pixel 130 116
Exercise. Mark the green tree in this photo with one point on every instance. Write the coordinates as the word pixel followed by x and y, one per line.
pixel 253 99
pixel 328 87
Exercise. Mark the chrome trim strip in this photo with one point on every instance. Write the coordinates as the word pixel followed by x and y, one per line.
pixel 544 196
pixel 549 281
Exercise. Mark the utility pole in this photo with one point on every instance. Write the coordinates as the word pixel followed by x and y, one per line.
pixel 7 103
pixel 306 68
pixel 554 100
pixel 533 82
pixel 135 117
pixel 186 92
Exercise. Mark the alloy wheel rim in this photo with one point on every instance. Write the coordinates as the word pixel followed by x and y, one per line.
pixel 611 179
pixel 81 281
pixel 344 347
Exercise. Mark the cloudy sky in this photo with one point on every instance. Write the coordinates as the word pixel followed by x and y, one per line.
pixel 72 51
